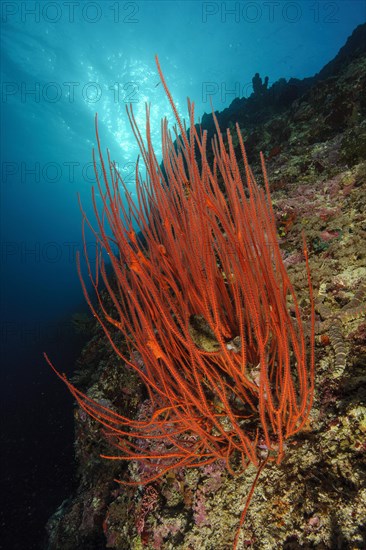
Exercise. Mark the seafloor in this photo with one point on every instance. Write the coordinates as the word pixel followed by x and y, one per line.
pixel 315 146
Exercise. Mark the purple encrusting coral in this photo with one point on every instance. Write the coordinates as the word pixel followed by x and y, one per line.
pixel 316 498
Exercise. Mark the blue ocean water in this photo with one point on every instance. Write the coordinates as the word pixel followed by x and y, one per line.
pixel 61 63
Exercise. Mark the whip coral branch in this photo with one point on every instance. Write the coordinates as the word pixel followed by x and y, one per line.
pixel 211 255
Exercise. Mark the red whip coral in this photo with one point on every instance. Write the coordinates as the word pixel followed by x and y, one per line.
pixel 211 259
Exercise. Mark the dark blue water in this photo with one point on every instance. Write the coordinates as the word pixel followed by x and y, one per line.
pixel 60 65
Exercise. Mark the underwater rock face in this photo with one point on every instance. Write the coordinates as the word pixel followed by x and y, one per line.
pixel 316 498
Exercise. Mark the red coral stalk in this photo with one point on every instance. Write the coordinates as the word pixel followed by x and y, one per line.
pixel 211 252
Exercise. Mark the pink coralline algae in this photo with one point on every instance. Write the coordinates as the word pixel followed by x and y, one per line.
pixel 199 507
pixel 148 503
pixel 329 235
